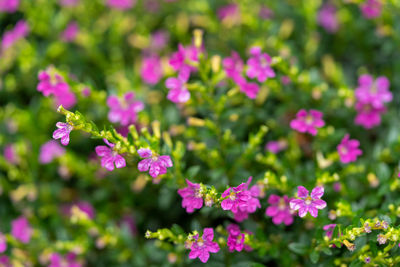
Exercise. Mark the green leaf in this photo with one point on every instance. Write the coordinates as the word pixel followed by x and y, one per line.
pixel 298 248
pixel 314 256
pixel 327 251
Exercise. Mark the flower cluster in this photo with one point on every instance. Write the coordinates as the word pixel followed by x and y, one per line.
pixel 124 110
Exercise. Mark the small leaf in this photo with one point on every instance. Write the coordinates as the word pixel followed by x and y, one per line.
pixel 298 248
pixel 314 256
pixel 327 251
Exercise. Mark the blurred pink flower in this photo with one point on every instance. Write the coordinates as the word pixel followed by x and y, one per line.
pixel 70 32
pixel 265 12
pixel 329 230
pixel 203 246
pixel 10 154
pixel 348 149
pixel 69 2
pixel 180 59
pixel 371 8
pixel 9 6
pixel 259 65
pixel 327 18
pixel 233 65
pixel 121 4
pixel 109 156
pixel 367 115
pixel 235 239
pixel 3 244
pixel 124 110
pixel 307 122
pixel 276 146
pixel 308 203
pixel 376 92
pixel 20 30
pixel 69 260
pixel 21 230
pixel 49 151
pixel 279 210
pixel 229 14
pixel 151 70
pixel 63 131
pixel 178 92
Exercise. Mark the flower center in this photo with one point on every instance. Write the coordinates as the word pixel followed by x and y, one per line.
pixel 200 242
pixel 308 200
pixel 367 108
pixel 282 204
pixel 344 150
pixel 232 196
pixel 154 158
pixel 309 119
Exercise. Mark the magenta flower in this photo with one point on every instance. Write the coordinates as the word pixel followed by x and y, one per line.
pixel 65 98
pixel 371 9
pixel 233 65
pixel 49 151
pixel 12 36
pixel 374 92
pixel 121 4
pixel 9 6
pixel 235 238
pixel 69 260
pixel 259 65
pixel 329 230
pixel 156 165
pixel 124 110
pixel 159 39
pixel 178 92
pixel 307 121
pixel 276 146
pixel 249 88
pixel 83 206
pixel 192 198
pixel 5 261
pixel 367 115
pixel 203 246
pixel 10 154
pixel 69 2
pixel 348 149
pixel 50 82
pixel 151 70
pixel 229 14
pixel 3 243
pixel 279 210
pixel 327 18
pixel 63 131
pixel 184 55
pixel 109 156
pixel 21 230
pixel 70 32
pixel 308 203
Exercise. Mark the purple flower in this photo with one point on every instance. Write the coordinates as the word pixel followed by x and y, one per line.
pixel 5 261
pixel 83 206
pixel 259 65
pixel 156 165
pixel 327 18
pixel 69 2
pixel 69 260
pixel 3 243
pixel 159 40
pixel 124 110
pixel 307 121
pixel 265 13
pixel 203 246
pixel 21 230
pixel 348 149
pixel 9 6
pixel 178 92
pixel 279 210
pixel 109 156
pixel 235 238
pixel 249 88
pixel 276 146
pixel 151 70
pixel 192 198
pixel 371 9
pixel 121 4
pixel 180 58
pixel 63 131
pixel 367 115
pixel 381 239
pixel 10 37
pixel 329 230
pixel 233 65
pixel 308 203
pixel 49 151
pixel 70 32
pixel 374 92
pixel 10 154
pixel 229 14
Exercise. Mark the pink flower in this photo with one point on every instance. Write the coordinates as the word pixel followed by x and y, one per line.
pixel 265 13
pixel 178 92
pixel 235 238
pixel 21 230
pixel 3 243
pixel 308 203
pixel 5 261
pixel 10 154
pixel 124 110
pixel 10 37
pixel 151 70
pixel 192 198
pixel 69 260
pixel 367 115
pixel 329 230
pixel 83 206
pixel 229 14
pixel 184 55
pixel 50 151
pixel 233 65
pixel 203 246
pixel 63 131
pixel 249 88
pixel 279 210
pixel 276 146
pixel 121 4
pixel 157 164
pixel 9 6
pixel 159 40
pixel 307 121
pixel 109 156
pixel 371 9
pixel 69 2
pixel 348 149
pixel 327 18
pixel 70 32
pixel 373 92
pixel 259 65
